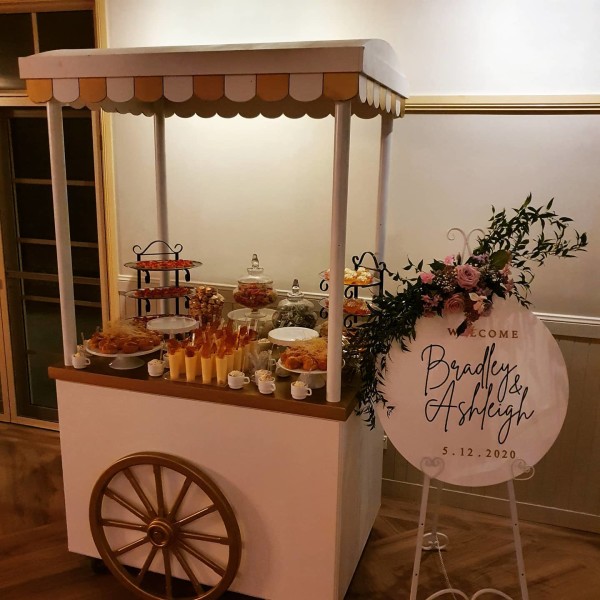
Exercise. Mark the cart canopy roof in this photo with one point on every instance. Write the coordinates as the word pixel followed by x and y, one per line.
pixel 292 79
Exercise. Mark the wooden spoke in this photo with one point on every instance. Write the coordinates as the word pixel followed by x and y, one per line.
pixel 159 490
pixel 165 535
pixel 168 578
pixel 197 515
pixel 146 564
pixel 132 546
pixel 123 525
pixel 204 537
pixel 207 561
pixel 188 571
pixel 140 492
pixel 184 488
pixel 118 498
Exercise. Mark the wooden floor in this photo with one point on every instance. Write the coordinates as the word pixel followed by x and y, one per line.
pixel 35 564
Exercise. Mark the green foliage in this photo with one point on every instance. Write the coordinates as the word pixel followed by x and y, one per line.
pixel 530 236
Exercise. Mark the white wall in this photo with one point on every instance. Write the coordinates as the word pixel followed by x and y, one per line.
pixel 237 187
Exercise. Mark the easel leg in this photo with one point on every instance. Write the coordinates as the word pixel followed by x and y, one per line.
pixel 434 540
pixel 414 586
pixel 517 536
pixel 436 515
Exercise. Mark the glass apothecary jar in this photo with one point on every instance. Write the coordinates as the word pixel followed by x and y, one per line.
pixel 255 290
pixel 295 310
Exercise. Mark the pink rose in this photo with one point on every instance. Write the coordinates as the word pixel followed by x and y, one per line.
pixel 454 304
pixel 449 260
pixel 467 276
pixel 426 277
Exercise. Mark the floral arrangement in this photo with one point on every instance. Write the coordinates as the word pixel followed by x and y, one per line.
pixel 500 266
pixel 452 287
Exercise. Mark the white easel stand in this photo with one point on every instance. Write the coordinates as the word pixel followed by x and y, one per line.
pixel 431 539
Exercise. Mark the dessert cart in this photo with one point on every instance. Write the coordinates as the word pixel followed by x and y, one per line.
pixel 224 489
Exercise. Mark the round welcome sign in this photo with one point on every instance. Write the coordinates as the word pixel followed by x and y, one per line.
pixel 475 410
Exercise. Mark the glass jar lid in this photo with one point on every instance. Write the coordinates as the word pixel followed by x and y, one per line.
pixel 296 296
pixel 295 310
pixel 255 274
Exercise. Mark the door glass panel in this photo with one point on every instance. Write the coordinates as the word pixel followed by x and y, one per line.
pixel 38 259
pixel 79 151
pixel 27 215
pixel 44 347
pixel 85 262
pixel 30 147
pixel 16 39
pixel 34 308
pixel 31 158
pixel 35 212
pixel 36 329
pixel 82 213
pixel 49 289
pixel 69 29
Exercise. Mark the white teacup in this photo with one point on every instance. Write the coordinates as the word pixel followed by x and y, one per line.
pixel 300 390
pixel 236 380
pixel 79 361
pixel 266 384
pixel 261 373
pixel 156 367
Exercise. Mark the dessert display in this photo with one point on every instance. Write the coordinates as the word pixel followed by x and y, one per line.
pixel 156 367
pixel 358 307
pixel 143 320
pixel 206 305
pixel 172 325
pixel 160 256
pixel 255 290
pixel 255 295
pixel 266 383
pixel 158 293
pixel 237 379
pixel 295 310
pixel 360 276
pixel 123 337
pixel 213 351
pixel 324 329
pixel 306 356
pixel 163 265
pixel 291 336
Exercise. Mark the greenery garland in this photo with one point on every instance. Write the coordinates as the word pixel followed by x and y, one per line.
pixel 501 265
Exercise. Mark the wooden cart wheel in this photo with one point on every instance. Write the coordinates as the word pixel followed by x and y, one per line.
pixel 163 529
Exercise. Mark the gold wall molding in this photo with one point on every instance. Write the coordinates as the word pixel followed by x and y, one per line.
pixel 504 105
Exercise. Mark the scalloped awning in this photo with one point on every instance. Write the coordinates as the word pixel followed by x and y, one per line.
pixel 291 79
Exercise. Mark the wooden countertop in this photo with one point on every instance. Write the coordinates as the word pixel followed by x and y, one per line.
pixel 137 380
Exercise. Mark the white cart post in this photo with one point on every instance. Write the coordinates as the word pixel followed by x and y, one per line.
pixel 162 211
pixel 62 230
pixel 385 159
pixel 337 254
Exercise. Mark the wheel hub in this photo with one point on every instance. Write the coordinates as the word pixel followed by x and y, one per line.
pixel 161 533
